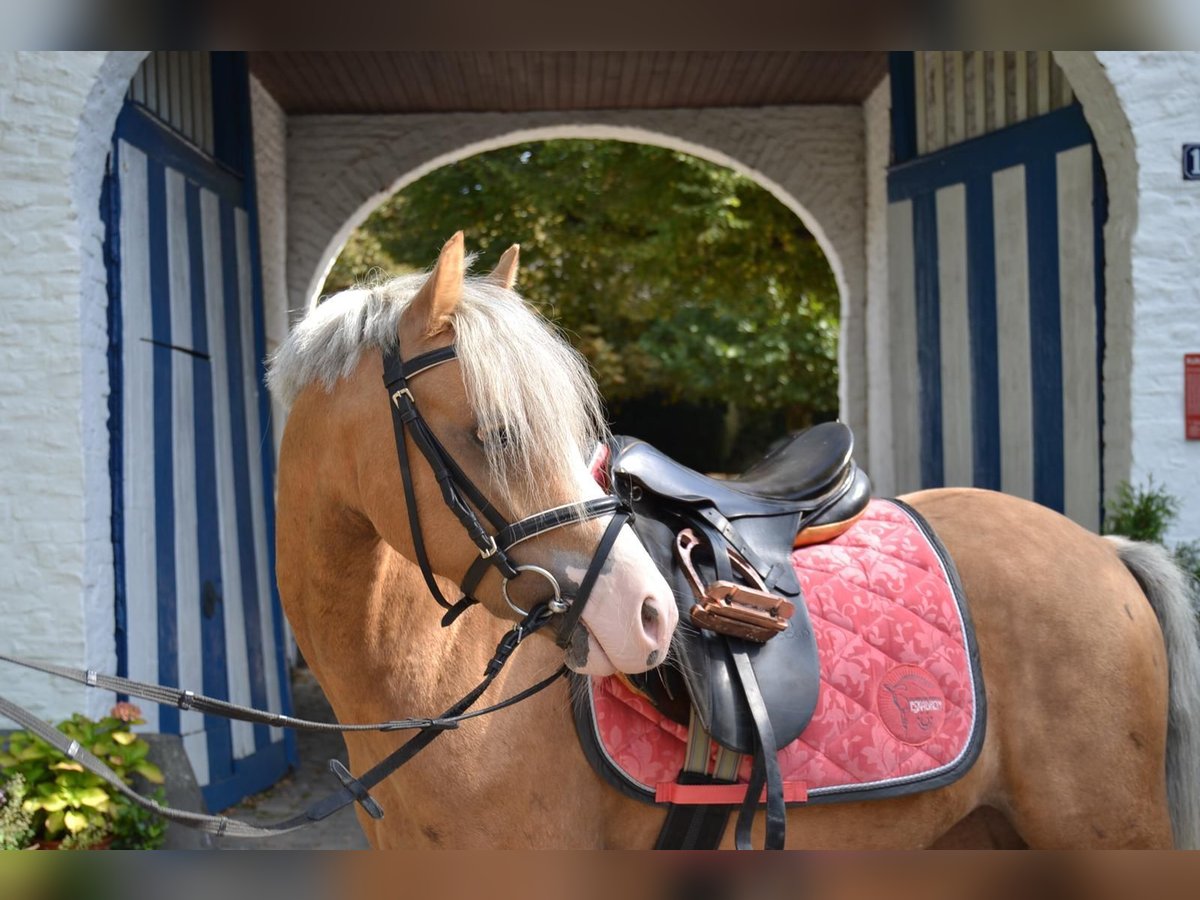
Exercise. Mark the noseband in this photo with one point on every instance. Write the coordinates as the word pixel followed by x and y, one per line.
pixel 464 498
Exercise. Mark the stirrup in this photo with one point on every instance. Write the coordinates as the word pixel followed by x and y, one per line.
pixel 730 608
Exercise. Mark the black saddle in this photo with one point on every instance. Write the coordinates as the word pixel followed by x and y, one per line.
pixel 754 694
pixel 799 470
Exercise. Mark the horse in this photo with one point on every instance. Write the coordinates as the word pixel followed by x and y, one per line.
pixel 1089 649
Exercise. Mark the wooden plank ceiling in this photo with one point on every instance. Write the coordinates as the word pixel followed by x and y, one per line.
pixel 519 81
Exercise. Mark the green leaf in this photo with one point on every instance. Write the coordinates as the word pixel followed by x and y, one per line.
pixel 95 797
pixel 124 738
pixel 641 253
pixel 149 771
pixel 54 804
pixel 54 823
pixel 75 821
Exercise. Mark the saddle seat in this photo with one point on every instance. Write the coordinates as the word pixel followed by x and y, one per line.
pixel 795 476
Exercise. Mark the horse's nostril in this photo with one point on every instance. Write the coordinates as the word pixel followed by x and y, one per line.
pixel 649 612
pixel 650 616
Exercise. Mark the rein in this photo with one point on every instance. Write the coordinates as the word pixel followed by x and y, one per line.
pixel 352 789
pixel 463 498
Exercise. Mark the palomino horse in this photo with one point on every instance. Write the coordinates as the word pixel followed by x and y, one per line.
pixel 1088 645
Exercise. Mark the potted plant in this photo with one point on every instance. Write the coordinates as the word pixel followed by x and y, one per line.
pixel 63 806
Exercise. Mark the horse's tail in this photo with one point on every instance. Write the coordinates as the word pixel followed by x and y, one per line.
pixel 1168 589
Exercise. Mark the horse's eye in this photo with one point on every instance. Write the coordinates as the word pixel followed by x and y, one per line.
pixel 496 438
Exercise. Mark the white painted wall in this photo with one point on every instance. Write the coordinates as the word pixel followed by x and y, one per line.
pixel 1159 92
pixel 1142 108
pixel 877 360
pixel 57 111
pixel 271 175
pixel 341 167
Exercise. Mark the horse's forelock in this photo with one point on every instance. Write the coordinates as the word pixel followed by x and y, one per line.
pixel 520 374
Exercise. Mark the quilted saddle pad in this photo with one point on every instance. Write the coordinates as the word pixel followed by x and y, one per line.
pixel 901 705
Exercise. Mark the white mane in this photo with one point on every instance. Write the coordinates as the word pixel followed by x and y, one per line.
pixel 520 375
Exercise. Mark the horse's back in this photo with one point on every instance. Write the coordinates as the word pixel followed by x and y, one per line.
pixel 1052 570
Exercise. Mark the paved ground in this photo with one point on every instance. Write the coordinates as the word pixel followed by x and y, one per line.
pixel 309 782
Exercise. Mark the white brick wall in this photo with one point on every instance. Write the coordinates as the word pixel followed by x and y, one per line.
pixel 1142 108
pixel 56 118
pixel 1158 93
pixel 57 112
pixel 341 167
pixel 270 171
pixel 877 360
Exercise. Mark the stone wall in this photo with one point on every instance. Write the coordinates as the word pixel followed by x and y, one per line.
pixel 270 173
pixel 319 177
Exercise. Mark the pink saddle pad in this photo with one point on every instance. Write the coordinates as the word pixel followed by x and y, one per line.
pixel 901 705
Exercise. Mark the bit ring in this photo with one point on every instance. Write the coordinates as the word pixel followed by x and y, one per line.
pixel 557 604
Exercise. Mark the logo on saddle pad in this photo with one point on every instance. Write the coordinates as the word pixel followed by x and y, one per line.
pixel 910 704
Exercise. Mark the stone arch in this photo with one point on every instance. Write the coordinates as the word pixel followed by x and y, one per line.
pixel 809 158
pixel 557 132
pixel 1118 154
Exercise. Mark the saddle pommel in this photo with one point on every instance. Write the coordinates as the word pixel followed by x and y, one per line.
pixel 749 612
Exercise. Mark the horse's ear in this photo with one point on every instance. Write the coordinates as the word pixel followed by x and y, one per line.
pixel 439 296
pixel 505 273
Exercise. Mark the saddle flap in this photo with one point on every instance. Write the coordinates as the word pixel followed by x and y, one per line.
pixel 786 666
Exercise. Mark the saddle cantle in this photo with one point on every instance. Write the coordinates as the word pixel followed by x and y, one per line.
pixel 808 485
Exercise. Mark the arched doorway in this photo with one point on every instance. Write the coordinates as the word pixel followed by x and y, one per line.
pixel 810 158
pixel 708 312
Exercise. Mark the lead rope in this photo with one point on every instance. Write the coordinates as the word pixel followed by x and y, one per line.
pixel 352 789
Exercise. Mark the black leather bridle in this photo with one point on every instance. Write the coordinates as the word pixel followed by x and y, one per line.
pixel 464 498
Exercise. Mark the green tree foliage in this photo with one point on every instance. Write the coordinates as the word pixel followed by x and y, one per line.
pixel 677 278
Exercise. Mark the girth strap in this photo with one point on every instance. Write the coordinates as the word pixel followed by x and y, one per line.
pixel 689 826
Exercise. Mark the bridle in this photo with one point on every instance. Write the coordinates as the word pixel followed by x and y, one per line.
pixel 463 498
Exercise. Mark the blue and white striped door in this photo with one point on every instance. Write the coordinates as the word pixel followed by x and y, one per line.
pixel 192 496
pixel 997 315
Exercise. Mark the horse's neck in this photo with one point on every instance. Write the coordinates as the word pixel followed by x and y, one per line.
pixel 361 612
